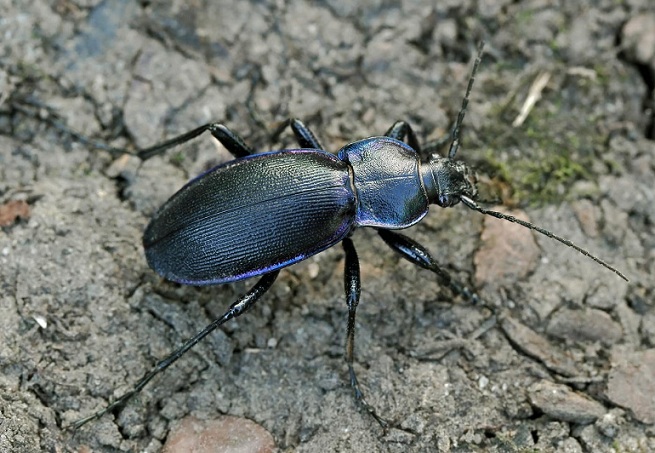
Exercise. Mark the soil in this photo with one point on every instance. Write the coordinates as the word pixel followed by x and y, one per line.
pixel 556 356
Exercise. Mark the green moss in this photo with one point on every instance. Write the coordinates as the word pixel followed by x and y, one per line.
pixel 524 16
pixel 544 157
pixel 553 45
pixel 177 158
pixel 603 78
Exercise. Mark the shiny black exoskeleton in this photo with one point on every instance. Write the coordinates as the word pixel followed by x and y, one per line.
pixel 261 212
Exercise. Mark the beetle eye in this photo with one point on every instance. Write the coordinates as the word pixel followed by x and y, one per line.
pixel 447 200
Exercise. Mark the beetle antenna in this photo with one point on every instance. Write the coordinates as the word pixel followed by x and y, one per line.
pixel 454 146
pixel 473 205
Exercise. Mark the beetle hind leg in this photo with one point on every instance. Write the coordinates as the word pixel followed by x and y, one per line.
pixel 232 142
pixel 243 304
pixel 353 290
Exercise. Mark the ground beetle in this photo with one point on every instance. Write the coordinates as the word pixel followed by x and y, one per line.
pixel 262 212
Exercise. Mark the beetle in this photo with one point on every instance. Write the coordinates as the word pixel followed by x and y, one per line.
pixel 262 212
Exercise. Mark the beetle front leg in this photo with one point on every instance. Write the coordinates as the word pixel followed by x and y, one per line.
pixel 232 142
pixel 401 130
pixel 417 254
pixel 242 305
pixel 353 290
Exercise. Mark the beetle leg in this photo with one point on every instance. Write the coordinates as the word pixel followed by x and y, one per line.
pixel 353 290
pixel 417 254
pixel 434 146
pixel 237 308
pixel 401 130
pixel 304 135
pixel 234 144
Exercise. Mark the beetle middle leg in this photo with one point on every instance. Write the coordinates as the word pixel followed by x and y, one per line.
pixel 231 140
pixel 419 255
pixel 304 136
pixel 243 304
pixel 353 289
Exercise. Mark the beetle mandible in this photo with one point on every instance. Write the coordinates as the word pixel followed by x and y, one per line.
pixel 259 213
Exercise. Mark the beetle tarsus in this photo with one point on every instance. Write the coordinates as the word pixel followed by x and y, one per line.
pixel 243 304
pixel 359 398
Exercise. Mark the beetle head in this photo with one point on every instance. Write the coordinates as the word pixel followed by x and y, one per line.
pixel 446 181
